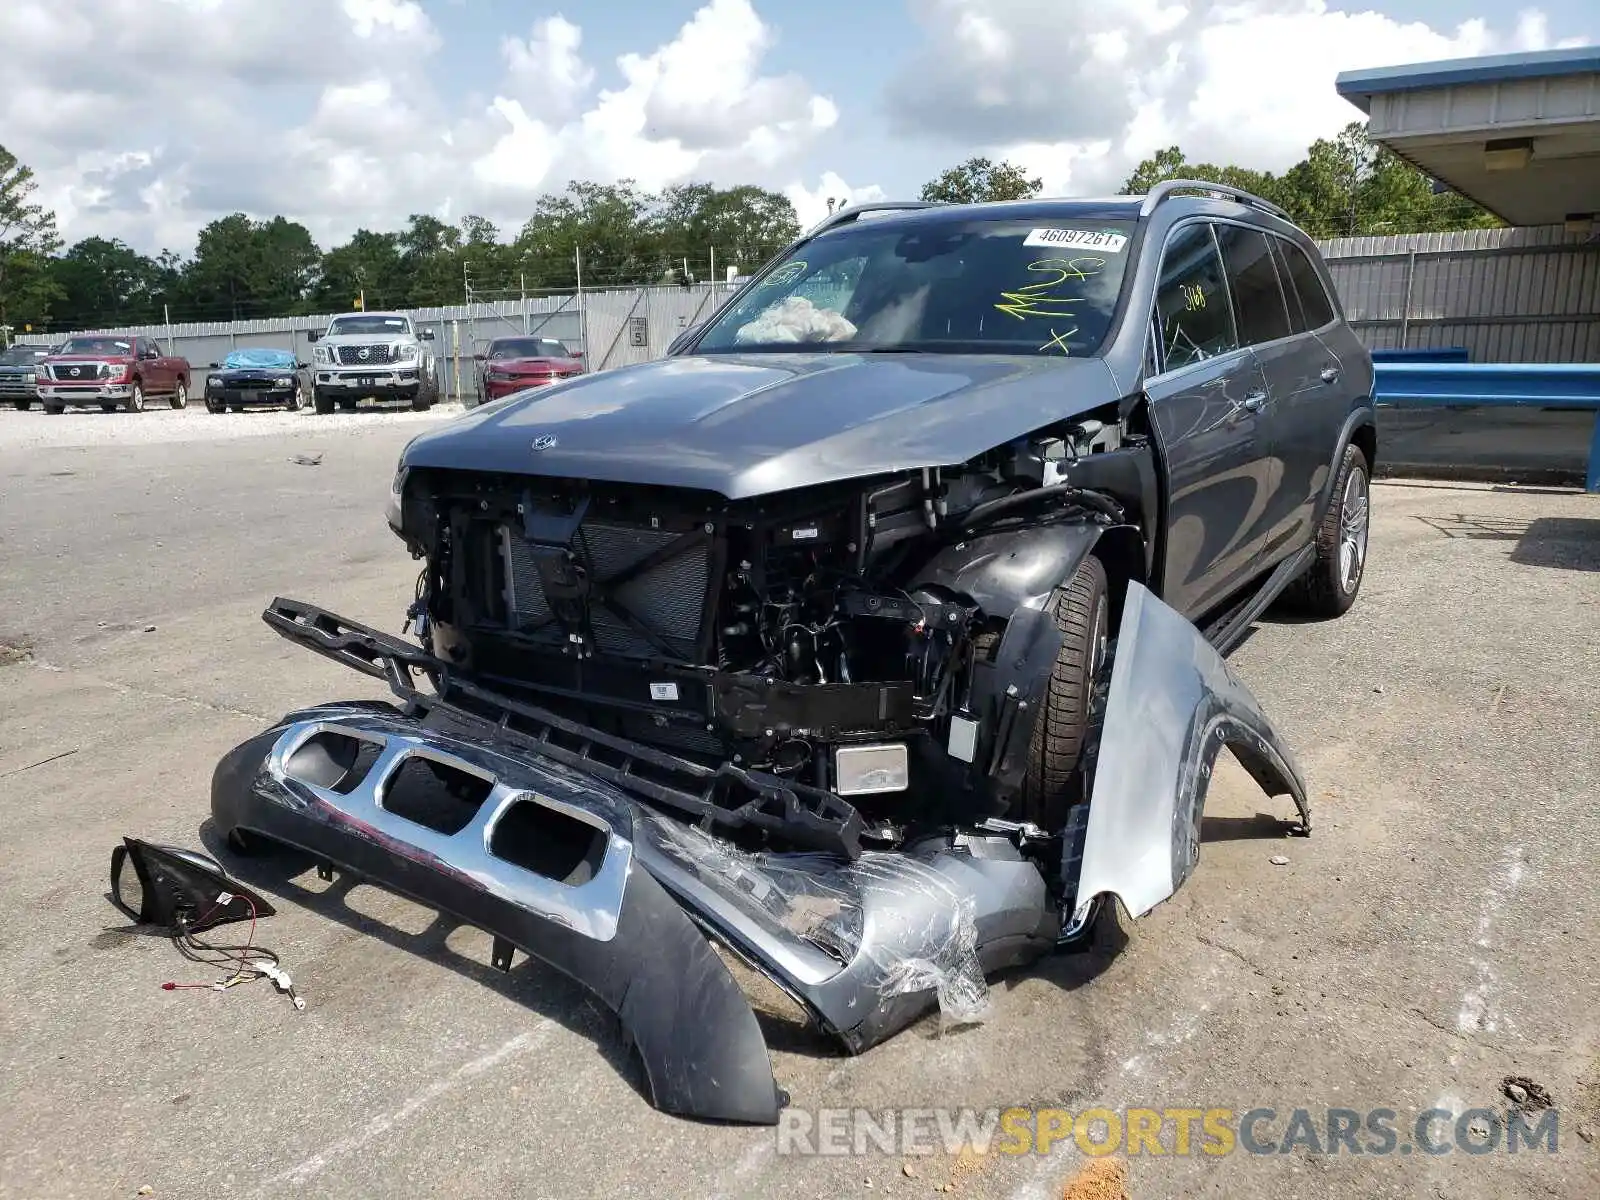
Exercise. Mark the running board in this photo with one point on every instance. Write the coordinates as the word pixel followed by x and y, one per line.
pixel 1228 631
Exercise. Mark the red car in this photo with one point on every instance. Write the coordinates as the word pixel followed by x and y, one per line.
pixel 111 370
pixel 514 364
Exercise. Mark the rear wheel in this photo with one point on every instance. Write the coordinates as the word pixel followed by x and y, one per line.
pixel 1329 586
pixel 180 395
pixel 1082 613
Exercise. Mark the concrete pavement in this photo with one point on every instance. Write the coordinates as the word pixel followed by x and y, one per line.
pixel 1437 934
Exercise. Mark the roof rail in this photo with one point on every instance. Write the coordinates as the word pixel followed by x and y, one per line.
pixel 1167 187
pixel 846 215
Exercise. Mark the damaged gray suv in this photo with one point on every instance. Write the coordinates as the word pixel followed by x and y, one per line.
pixel 875 633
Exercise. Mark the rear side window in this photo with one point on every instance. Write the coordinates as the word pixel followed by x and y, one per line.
pixel 1257 295
pixel 1192 311
pixel 1307 284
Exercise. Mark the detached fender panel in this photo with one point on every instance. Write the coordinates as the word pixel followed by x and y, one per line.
pixel 1017 568
pixel 1173 704
pixel 564 888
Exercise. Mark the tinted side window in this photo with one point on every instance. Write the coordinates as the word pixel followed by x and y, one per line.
pixel 1192 308
pixel 1308 284
pixel 1257 295
pixel 151 346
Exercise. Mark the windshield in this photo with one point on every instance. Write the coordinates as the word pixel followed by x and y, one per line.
pixel 976 286
pixel 364 324
pixel 528 348
pixel 259 357
pixel 115 347
pixel 20 356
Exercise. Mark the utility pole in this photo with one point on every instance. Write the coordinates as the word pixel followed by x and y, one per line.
pixel 713 266
pixel 522 285
pixel 583 326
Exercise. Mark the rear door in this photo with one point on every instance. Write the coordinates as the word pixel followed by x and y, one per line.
pixel 1307 437
pixel 1289 359
pixel 1204 398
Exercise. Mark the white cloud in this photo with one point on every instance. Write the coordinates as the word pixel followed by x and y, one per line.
pixel 811 204
pixel 1080 92
pixel 345 128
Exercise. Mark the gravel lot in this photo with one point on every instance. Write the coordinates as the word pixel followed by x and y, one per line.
pixel 34 430
pixel 1436 935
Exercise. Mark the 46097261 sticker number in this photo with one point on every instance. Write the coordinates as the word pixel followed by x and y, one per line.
pixel 1078 239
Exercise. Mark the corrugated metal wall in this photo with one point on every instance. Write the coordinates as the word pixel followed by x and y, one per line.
pixel 1507 295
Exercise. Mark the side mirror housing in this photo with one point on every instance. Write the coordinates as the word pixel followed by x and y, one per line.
pixel 213 366
pixel 427 335
pixel 312 335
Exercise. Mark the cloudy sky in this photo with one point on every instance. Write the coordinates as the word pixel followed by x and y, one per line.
pixel 146 118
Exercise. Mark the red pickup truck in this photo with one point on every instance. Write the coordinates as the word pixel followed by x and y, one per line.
pixel 113 371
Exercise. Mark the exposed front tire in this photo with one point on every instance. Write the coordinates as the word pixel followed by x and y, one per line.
pixel 180 396
pixel 1082 613
pixel 297 400
pixel 22 405
pixel 55 410
pixel 135 401
pixel 1330 585
pixel 215 406
pixel 321 401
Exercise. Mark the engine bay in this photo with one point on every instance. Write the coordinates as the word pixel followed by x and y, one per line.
pixel 798 634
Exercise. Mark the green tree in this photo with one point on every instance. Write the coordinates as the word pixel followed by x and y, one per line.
pixel 611 222
pixel 1345 186
pixel 978 180
pixel 430 255
pixel 107 282
pixel 369 262
pixel 246 268
pixel 27 235
pixel 726 227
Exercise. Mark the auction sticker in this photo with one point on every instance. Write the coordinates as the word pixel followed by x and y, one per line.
pixel 1077 239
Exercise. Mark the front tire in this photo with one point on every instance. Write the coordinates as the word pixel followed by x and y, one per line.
pixel 22 405
pixel 136 398
pixel 1082 612
pixel 321 401
pixel 180 396
pixel 55 410
pixel 1330 585
pixel 297 399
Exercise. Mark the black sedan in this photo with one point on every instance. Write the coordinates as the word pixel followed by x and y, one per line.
pixel 247 378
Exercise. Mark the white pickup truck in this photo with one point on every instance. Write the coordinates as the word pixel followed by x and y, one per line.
pixel 377 354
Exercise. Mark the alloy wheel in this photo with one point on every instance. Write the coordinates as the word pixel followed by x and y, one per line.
pixel 1354 512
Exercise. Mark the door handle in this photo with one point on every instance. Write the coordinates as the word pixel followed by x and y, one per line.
pixel 1329 374
pixel 1254 400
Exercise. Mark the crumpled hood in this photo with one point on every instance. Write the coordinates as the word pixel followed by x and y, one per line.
pixel 744 425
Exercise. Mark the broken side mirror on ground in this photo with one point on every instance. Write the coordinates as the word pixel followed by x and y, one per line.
pixel 184 893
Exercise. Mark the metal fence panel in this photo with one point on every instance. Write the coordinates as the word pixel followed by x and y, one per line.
pixel 1507 295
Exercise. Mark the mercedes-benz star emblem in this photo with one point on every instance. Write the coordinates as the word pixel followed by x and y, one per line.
pixel 544 441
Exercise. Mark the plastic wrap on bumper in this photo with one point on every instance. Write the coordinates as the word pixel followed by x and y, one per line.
pixel 615 931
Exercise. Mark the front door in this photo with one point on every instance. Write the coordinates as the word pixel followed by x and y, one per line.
pixel 1204 405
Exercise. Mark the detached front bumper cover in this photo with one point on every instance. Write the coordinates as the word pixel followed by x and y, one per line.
pixel 559 842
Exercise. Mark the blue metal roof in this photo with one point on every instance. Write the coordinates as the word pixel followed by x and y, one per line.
pixel 1359 86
